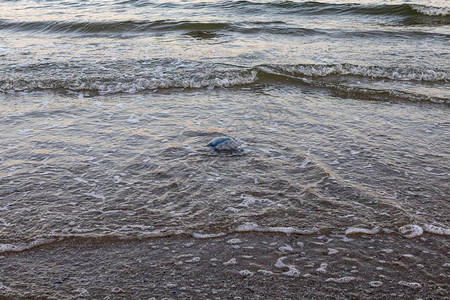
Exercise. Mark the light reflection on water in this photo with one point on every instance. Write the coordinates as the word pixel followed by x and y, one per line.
pixel 92 166
pixel 106 108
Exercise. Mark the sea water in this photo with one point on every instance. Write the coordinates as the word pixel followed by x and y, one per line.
pixel 341 108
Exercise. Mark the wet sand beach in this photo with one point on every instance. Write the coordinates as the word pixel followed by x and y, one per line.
pixel 237 266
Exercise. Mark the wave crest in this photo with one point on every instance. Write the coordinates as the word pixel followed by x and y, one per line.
pixel 137 76
pixel 432 10
pixel 379 72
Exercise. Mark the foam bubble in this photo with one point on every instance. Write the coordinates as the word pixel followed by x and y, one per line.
pixel 24 246
pixel 253 227
pixel 292 272
pixel 230 262
pixel 375 283
pixel 193 260
pixel 232 209
pixel 411 231
pixel 246 273
pixel 345 279
pixel 234 241
pixel 322 269
pixel 280 264
pixel 413 285
pixel 286 248
pixel 357 230
pixel 207 235
pixel 248 201
pixel 436 230
pixel 265 272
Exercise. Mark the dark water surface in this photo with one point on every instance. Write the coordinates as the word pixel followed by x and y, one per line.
pixel 341 109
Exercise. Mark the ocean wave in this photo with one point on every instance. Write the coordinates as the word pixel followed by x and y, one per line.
pixel 161 26
pixel 282 6
pixel 109 27
pixel 137 76
pixel 311 7
pixel 122 77
pixel 431 10
pixel 394 73
pixel 199 29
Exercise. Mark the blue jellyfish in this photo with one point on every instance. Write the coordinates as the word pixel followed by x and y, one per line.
pixel 224 144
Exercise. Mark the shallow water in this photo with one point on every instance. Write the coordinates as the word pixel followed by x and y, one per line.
pixel 340 108
pixel 138 165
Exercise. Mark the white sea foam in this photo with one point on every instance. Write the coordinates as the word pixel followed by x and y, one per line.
pixel 387 250
pixel 414 285
pixel 24 246
pixel 246 273
pixel 375 283
pixel 248 201
pixel 234 241
pixel 253 227
pixel 193 260
pixel 232 209
pixel 406 74
pixel 207 235
pixel 322 269
pixel 357 230
pixel 432 10
pixel 411 230
pixel 265 272
pixel 292 272
pixel 286 248
pixel 345 279
pixel 230 262
pixel 436 230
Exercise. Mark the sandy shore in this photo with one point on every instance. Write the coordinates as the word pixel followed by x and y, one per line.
pixel 240 266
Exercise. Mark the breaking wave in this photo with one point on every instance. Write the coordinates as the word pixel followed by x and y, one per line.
pixel 312 7
pixel 134 77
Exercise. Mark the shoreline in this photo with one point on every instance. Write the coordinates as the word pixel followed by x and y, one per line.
pixel 237 266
